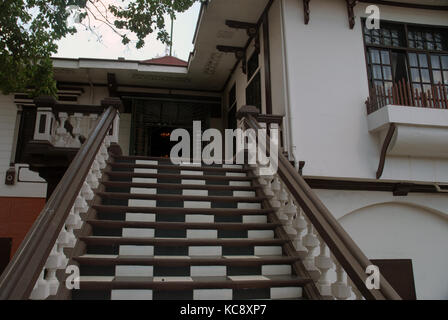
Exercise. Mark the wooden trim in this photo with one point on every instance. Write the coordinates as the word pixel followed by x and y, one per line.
pixel 112 224
pixel 175 167
pixel 267 64
pixel 187 261
pixel 123 174
pixel 341 245
pixel 306 11
pixel 386 143
pixel 181 241
pixel 20 276
pixel 405 5
pixel 123 184
pixel 177 197
pixel 191 285
pixel 174 211
pixel 350 185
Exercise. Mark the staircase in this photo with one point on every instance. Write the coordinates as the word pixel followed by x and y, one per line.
pixel 161 231
pixel 143 228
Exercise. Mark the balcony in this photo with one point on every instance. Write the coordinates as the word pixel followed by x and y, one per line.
pixel 59 132
pixel 409 123
pixel 402 94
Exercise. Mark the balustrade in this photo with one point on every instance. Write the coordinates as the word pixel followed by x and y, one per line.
pixel 301 225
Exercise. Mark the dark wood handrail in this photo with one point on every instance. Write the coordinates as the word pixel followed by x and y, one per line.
pixel 21 274
pixel 341 245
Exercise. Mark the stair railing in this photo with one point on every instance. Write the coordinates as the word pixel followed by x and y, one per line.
pixel 31 274
pixel 310 226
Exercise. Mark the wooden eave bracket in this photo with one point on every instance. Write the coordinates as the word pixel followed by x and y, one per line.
pixel 351 12
pixel 240 54
pixel 251 28
pixel 386 143
pixel 306 11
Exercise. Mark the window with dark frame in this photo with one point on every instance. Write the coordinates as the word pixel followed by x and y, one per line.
pixel 418 54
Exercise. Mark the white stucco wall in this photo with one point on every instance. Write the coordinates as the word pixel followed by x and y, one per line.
pixel 328 87
pixel 386 227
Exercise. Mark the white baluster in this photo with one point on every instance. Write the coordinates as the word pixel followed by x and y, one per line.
pixel 81 205
pixel 324 263
pixel 340 289
pixel 96 170
pixel 356 293
pixel 92 122
pixel 62 242
pixel 275 187
pixel 92 179
pixel 41 289
pixel 290 211
pixel 61 139
pixel 268 186
pixel 300 225
pixel 54 261
pixel 310 242
pixel 86 191
pixel 77 130
pixel 283 198
pixel 101 161
pixel 104 153
pixel 72 223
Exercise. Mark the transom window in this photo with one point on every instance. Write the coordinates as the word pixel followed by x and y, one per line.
pixel 428 40
pixel 388 35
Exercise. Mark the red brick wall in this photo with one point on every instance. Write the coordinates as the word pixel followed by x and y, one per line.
pixel 17 215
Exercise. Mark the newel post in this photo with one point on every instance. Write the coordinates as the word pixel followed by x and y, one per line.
pixel 45 120
pixel 117 104
pixel 247 110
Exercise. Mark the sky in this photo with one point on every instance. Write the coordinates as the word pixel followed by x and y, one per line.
pixel 85 44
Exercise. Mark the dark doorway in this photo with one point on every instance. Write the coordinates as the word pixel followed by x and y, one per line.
pixel 154 120
pixel 5 252
pixel 399 274
pixel 160 144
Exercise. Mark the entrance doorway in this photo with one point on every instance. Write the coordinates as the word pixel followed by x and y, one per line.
pixel 154 120
pixel 159 142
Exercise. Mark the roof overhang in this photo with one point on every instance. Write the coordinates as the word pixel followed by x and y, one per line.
pixel 207 70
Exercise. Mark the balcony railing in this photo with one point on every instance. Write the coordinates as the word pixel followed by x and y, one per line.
pixel 403 94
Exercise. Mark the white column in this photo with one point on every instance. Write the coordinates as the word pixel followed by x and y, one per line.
pixel 45 120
